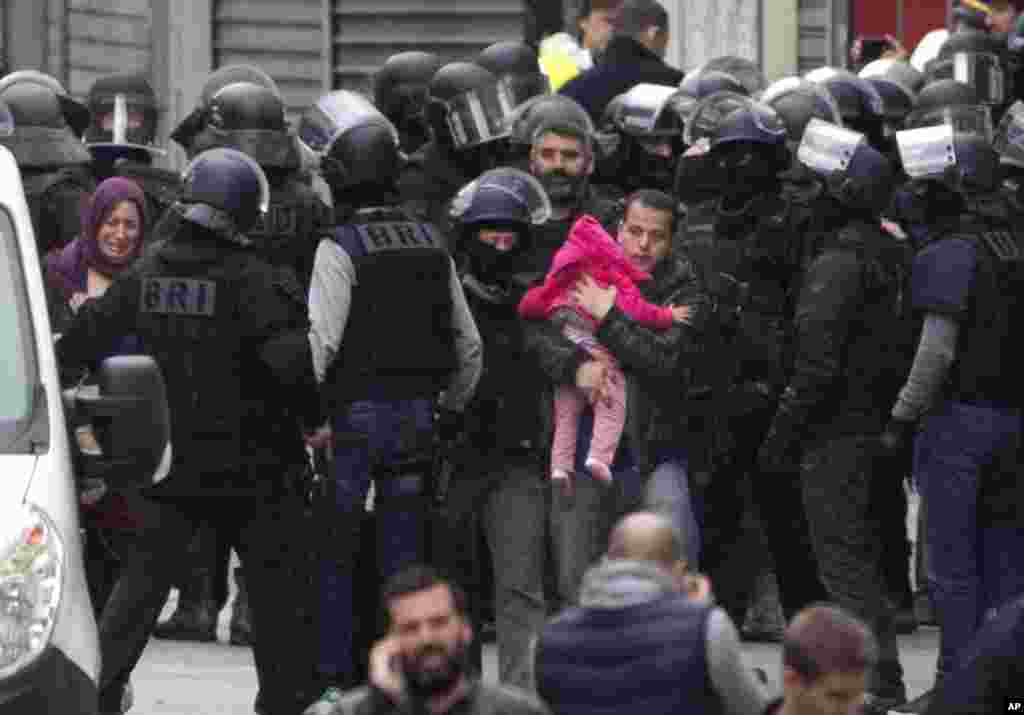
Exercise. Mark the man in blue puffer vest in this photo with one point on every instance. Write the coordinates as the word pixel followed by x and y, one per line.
pixel 646 637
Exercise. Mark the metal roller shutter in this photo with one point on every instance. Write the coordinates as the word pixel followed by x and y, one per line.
pixel 285 39
pixel 366 32
pixel 90 39
pixel 823 34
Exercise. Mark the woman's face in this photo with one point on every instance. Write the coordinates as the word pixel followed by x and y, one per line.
pixel 119 234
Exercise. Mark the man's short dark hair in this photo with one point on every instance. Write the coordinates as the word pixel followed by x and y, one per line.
pixel 825 639
pixel 590 6
pixel 638 16
pixel 420 577
pixel 656 200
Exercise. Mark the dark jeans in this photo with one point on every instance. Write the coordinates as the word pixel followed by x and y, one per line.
pixel 974 566
pixel 369 437
pixel 844 481
pixel 271 538
pixel 529 528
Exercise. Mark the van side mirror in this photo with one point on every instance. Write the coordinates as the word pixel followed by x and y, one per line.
pixel 131 420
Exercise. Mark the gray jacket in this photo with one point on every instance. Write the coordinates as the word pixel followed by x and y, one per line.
pixel 482 699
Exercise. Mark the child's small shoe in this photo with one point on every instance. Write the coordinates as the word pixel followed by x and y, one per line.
pixel 562 481
pixel 599 470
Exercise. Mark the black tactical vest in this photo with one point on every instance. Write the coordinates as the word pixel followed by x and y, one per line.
pixel 291 229
pixel 398 341
pixel 189 323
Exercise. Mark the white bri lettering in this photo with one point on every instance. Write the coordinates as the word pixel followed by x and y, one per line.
pixel 179 296
pixel 394 236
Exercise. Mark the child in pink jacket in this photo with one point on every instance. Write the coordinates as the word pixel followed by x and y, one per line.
pixel 590 250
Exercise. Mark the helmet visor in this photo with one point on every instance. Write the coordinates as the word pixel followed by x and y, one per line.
pixel 336 113
pixel 521 87
pixel 642 111
pixel 927 151
pixel 517 197
pixel 123 122
pixel 1009 137
pixel 963 118
pixel 984 73
pixel 826 148
pixel 709 112
pixel 481 115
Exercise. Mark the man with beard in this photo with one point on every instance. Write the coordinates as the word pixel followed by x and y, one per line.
pixel 422 665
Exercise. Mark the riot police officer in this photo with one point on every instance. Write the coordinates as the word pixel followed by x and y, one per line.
pixel 751 266
pixel 390 331
pixel 860 104
pixel 980 60
pixel 963 394
pixel 516 66
pixel 646 126
pixel 229 332
pixel 244 111
pixel 849 357
pixel 122 139
pixel 467 109
pixel 400 93
pixel 897 83
pixel 53 162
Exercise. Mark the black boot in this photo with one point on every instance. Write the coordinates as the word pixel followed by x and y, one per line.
pixel 241 625
pixel 195 618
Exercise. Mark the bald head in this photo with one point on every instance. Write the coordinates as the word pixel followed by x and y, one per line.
pixel 646 536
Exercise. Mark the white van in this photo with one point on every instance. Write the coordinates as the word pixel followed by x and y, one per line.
pixel 49 651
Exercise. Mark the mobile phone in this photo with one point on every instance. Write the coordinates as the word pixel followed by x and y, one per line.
pixel 872 48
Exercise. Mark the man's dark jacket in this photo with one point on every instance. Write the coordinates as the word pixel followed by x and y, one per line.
pixel 624 64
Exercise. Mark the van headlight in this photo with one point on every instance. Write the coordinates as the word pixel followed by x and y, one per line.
pixel 31 585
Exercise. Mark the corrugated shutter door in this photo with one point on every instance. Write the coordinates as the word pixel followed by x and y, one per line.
pixel 284 39
pixel 95 38
pixel 367 32
pixel 815 36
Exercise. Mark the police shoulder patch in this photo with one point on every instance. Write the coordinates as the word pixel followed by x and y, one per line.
pixel 394 236
pixel 179 296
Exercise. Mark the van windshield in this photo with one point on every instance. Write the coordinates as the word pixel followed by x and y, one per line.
pixel 19 378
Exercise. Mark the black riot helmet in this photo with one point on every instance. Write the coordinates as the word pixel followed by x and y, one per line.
pixel 797 101
pixel 646 138
pixel 508 201
pixel 41 137
pixel 748 148
pixel 517 67
pixel 124 118
pixel 859 102
pixel 855 173
pixel 701 82
pixel 224 191
pixel 400 93
pixel 75 113
pixel 704 118
pixel 356 143
pixel 250 118
pixel 898 84
pixel 947 101
pixel 466 106
pixel 190 126
pixel 974 59
pixel 744 70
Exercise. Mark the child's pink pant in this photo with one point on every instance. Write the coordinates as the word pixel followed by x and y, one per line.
pixel 609 420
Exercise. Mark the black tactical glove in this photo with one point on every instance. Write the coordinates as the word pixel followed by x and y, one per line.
pixel 450 426
pixel 897 446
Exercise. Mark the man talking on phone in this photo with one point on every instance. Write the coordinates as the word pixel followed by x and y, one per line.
pixel 422 665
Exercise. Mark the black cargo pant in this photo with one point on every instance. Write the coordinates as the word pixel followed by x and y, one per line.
pixel 273 538
pixel 733 559
pixel 844 480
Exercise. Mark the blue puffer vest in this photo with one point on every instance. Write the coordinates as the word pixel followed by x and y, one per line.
pixel 648 658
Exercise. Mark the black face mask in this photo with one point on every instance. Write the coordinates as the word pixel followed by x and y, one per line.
pixel 422 682
pixel 698 179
